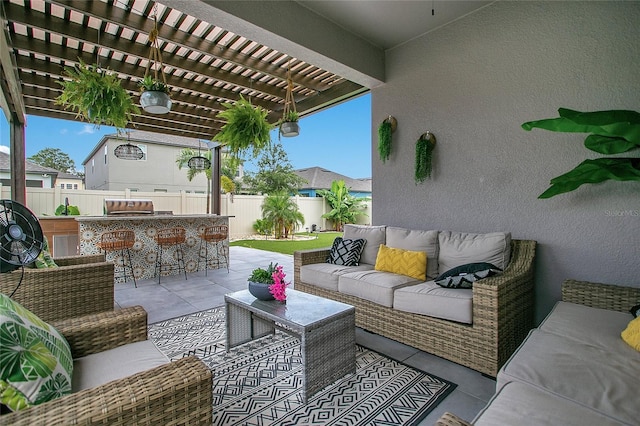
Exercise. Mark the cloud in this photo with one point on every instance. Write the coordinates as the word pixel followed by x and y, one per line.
pixel 4 149
pixel 64 131
pixel 87 129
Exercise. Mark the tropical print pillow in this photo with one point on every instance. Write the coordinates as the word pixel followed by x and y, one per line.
pixel 35 360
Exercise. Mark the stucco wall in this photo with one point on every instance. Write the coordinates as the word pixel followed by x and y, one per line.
pixel 473 83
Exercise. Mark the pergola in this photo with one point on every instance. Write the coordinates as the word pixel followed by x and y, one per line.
pixel 205 65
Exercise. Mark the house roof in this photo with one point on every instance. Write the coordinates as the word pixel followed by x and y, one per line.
pixel 319 178
pixel 149 137
pixel 30 167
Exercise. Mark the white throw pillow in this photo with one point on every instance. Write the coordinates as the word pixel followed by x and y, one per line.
pixel 416 240
pixel 459 248
pixel 375 235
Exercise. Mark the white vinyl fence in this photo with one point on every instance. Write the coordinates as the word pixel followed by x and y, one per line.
pixel 245 209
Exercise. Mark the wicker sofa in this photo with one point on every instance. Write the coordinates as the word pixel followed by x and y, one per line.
pixel 177 393
pixel 574 369
pixel 502 313
pixel 81 285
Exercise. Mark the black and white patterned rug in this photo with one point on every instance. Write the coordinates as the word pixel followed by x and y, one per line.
pixel 259 383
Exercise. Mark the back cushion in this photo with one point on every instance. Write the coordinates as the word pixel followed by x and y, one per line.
pixel 416 240
pixel 375 235
pixel 459 248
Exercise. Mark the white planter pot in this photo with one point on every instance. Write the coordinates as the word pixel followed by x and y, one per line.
pixel 289 129
pixel 155 102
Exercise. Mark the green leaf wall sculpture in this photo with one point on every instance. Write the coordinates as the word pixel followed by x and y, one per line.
pixel 612 132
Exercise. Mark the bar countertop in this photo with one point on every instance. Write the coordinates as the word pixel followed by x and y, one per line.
pixel 147 217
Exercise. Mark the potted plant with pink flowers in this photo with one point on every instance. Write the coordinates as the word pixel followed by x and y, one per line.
pixel 269 283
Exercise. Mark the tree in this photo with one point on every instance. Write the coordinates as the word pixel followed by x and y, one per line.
pixel 345 207
pixel 275 173
pixel 54 158
pixel 282 212
pixel 226 183
pixel 183 160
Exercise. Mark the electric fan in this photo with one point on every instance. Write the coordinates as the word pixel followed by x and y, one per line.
pixel 21 238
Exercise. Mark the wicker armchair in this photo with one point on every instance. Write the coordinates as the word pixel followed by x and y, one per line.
pixel 81 285
pixel 177 393
pixel 503 314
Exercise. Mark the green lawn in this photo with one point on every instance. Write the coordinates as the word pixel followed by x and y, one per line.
pixel 324 239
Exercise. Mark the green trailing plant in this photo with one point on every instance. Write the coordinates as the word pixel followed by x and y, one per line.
pixel 96 96
pixel 246 128
pixel 384 140
pixel 612 132
pixel 264 276
pixel 424 155
pixel 150 84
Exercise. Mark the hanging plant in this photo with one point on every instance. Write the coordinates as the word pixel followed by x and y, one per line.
pixel 424 153
pixel 385 130
pixel 246 128
pixel 612 132
pixel 96 96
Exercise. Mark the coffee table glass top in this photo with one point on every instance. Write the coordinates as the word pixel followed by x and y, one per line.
pixel 301 308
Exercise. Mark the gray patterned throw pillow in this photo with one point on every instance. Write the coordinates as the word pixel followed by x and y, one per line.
pixel 464 276
pixel 346 252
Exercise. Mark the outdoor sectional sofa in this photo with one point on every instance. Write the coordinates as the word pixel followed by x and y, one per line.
pixel 478 328
pixel 575 368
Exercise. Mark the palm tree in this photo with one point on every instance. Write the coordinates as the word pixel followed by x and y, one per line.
pixel 183 159
pixel 282 211
pixel 345 207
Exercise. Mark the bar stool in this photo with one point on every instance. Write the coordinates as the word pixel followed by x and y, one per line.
pixel 167 238
pixel 217 235
pixel 121 240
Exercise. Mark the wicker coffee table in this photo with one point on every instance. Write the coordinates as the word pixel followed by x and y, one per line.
pixel 326 330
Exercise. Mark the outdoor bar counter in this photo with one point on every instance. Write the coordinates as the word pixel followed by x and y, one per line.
pixel 143 253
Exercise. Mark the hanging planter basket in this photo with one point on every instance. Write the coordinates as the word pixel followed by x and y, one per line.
pixel 289 129
pixel 155 102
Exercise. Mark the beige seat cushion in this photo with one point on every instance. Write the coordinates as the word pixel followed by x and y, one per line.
pixel 374 286
pixel 603 379
pixel 430 299
pixel 416 240
pixel 100 368
pixel 591 326
pixel 459 248
pixel 523 405
pixel 326 275
pixel 375 235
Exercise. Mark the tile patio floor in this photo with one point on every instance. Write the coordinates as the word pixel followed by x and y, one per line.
pixel 176 296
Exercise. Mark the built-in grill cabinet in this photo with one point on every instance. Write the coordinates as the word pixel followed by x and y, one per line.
pixel 127 207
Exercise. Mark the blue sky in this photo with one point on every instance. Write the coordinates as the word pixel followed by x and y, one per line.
pixel 337 139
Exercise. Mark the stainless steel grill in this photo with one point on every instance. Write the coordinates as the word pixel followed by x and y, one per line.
pixel 127 207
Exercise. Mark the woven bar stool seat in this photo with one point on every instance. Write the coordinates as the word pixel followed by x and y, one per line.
pixel 121 241
pixel 166 239
pixel 215 235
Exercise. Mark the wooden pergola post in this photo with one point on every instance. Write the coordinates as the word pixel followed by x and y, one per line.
pixel 18 163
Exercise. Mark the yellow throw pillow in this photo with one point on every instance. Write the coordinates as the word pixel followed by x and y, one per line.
pixel 404 262
pixel 631 335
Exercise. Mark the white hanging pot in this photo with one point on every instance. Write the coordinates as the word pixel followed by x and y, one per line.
pixel 155 102
pixel 289 129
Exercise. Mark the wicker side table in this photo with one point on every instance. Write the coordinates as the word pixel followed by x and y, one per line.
pixel 326 330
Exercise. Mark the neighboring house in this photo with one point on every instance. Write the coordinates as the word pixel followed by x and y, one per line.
pixel 157 171
pixel 69 181
pixel 37 176
pixel 319 178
